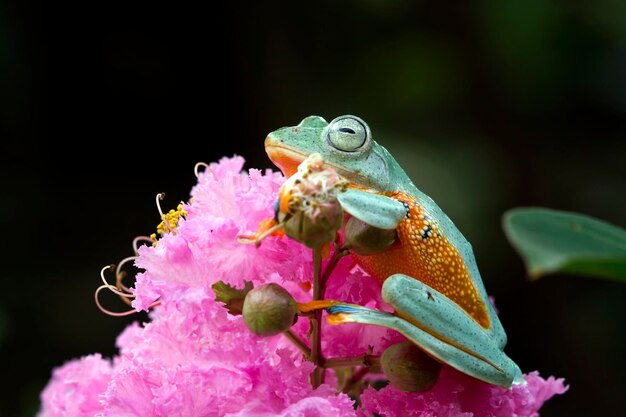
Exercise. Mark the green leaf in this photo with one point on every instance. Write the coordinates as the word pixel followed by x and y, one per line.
pixel 553 241
pixel 232 297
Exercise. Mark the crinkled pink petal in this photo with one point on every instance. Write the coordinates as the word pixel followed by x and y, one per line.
pixel 350 284
pixel 459 395
pixel 152 389
pixel 354 286
pixel 146 292
pixel 339 406
pixel 226 166
pixel 75 388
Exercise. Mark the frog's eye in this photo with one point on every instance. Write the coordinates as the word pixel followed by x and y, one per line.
pixel 347 133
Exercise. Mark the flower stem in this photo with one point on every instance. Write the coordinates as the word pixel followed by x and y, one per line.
pixel 315 329
pixel 317 268
pixel 317 377
pixel 299 343
pixel 366 360
pixel 355 378
pixel 339 253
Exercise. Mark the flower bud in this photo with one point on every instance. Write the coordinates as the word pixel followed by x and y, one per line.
pixel 308 207
pixel 269 309
pixel 315 231
pixel 364 239
pixel 409 368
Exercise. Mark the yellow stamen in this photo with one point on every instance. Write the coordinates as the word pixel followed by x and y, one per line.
pixel 169 220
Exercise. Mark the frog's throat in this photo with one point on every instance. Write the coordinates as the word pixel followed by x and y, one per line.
pixel 285 158
pixel 288 159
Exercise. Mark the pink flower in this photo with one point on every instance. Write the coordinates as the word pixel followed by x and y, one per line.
pixel 204 250
pixel 76 388
pixel 458 395
pixel 195 359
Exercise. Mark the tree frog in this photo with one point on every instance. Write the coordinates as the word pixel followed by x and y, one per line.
pixel 428 271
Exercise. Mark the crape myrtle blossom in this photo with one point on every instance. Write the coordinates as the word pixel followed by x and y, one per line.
pixel 195 359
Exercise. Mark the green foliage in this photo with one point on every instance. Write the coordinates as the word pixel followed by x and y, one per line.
pixel 232 297
pixel 553 241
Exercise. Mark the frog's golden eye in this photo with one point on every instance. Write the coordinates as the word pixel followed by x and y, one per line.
pixel 348 133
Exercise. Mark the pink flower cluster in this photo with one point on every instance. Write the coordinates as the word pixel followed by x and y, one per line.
pixel 194 359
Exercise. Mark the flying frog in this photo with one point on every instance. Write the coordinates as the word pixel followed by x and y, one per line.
pixel 427 269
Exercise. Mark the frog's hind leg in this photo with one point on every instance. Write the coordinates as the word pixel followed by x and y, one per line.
pixel 437 325
pixel 437 315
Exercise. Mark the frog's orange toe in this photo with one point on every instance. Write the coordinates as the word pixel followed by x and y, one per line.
pixel 315 305
pixel 336 319
pixel 267 227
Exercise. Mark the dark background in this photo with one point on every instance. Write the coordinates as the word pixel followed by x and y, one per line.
pixel 488 106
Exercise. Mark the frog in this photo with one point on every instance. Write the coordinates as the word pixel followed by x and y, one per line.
pixel 427 270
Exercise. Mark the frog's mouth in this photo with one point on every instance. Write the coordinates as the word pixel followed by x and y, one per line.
pixel 287 159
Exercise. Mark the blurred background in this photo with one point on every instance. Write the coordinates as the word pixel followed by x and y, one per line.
pixel 488 105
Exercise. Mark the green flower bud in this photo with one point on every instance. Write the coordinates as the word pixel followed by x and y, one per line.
pixel 364 239
pixel 409 368
pixel 315 231
pixel 269 309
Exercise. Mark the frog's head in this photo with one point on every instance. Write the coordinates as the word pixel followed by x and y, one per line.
pixel 346 144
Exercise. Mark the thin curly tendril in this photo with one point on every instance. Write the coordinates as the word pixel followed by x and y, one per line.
pixel 207 169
